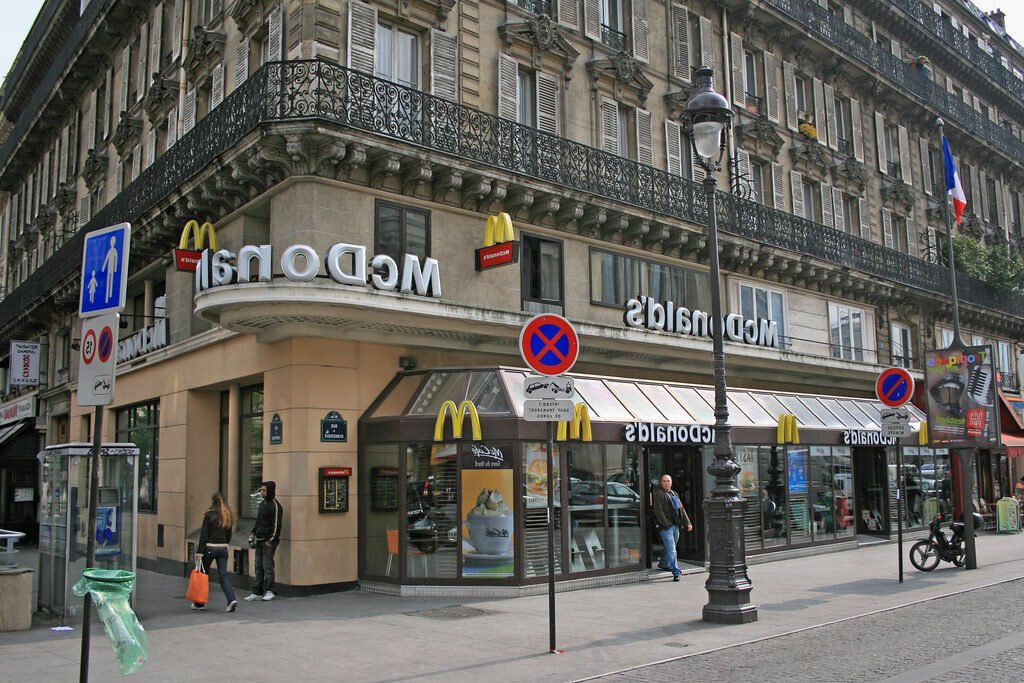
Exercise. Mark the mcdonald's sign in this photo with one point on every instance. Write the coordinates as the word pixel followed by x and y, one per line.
pixel 187 259
pixel 500 247
pixel 458 415
pixel 578 428
pixel 787 431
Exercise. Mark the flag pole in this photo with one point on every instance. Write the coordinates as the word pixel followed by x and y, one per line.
pixel 958 342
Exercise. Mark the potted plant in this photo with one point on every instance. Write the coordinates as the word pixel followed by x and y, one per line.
pixel 806 126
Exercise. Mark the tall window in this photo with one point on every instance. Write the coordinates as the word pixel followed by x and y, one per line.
pixel 761 303
pixel 757 182
pixel 1005 365
pixel 844 138
pixel 801 99
pixel 812 200
pixel 901 349
pixel 401 230
pixel 614 279
pixel 541 275
pixel 851 215
pixel 527 98
pixel 140 425
pixel 750 73
pixel 251 446
pixel 901 238
pixel 398 55
pixel 892 151
pixel 946 337
pixel 846 331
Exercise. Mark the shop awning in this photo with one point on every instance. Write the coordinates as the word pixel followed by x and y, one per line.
pixel 1014 445
pixel 8 432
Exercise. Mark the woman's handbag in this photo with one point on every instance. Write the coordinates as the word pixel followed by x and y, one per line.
pixel 198 585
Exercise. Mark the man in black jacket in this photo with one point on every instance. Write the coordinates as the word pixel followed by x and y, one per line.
pixel 264 537
pixel 669 515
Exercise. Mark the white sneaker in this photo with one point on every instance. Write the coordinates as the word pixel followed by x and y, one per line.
pixel 231 606
pixel 254 596
pixel 269 595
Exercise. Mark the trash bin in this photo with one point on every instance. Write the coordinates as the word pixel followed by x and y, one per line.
pixel 1007 516
pixel 110 590
pixel 15 599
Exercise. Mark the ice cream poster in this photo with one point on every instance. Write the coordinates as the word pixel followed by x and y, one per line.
pixel 960 389
pixel 488 520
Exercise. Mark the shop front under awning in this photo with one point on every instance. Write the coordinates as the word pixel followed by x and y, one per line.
pixel 8 432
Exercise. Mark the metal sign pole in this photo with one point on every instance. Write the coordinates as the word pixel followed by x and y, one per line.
pixel 90 553
pixel 552 482
pixel 901 491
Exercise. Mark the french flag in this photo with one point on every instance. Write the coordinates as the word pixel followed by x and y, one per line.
pixel 953 186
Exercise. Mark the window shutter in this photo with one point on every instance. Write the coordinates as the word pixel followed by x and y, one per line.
pixel 896 48
pixel 707 42
pixel 862 212
pixel 880 142
pixel 820 121
pixel 827 213
pixel 90 140
pixel 143 50
pixel 62 171
pixel 176 30
pixel 569 14
pixel 547 102
pixel 508 87
pixel 644 138
pixel 673 148
pixel 697 171
pixel 150 147
pixel 778 187
pixel 887 233
pixel 73 142
pixel 743 166
pixel 274 53
pixel 155 31
pixel 950 88
pixel 789 86
pixel 592 19
pixel 838 210
pixel 771 86
pixel 362 36
pixel 848 15
pixel 119 178
pixel 126 66
pixel 107 97
pixel 1007 212
pixel 997 202
pixel 640 50
pixel 610 125
pixel 84 210
pixel 796 182
pixel 926 169
pixel 905 163
pixel 172 126
pixel 242 61
pixel 217 85
pixel 45 177
pixel 739 84
pixel 681 42
pixel 855 130
pixel 830 113
pixel 190 111
pixel 444 64
pixel 136 162
pixel 983 191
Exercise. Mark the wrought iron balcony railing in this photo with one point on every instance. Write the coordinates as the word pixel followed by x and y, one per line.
pixel 843 146
pixel 329 93
pixel 613 38
pixel 536 6
pixel 752 103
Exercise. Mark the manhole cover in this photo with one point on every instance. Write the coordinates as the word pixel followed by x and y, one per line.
pixel 451 613
pixel 677 644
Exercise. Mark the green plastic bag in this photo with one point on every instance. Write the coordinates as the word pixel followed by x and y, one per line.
pixel 110 590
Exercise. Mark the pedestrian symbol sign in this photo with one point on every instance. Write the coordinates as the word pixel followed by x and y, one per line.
pixel 104 271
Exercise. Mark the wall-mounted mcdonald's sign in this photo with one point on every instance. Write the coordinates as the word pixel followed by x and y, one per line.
pixel 500 247
pixel 787 431
pixel 458 417
pixel 578 428
pixel 187 259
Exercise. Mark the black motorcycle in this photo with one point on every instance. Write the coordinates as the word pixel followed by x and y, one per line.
pixel 925 554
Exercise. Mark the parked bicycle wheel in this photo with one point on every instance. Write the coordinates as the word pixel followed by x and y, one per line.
pixel 924 556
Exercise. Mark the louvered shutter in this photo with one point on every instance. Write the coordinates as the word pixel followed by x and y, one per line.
pixel 905 163
pixel 610 125
pixel 569 14
pixel 681 42
pixel 362 36
pixel 830 113
pixel 838 210
pixel 827 214
pixel 44 180
pixel 190 111
pixel 217 85
pixel 778 187
pixel 912 236
pixel 444 64
pixel 738 67
pixel 789 88
pixel 172 126
pixel 136 162
pixel 771 86
pixel 896 48
pixel 84 210
pixel 673 148
pixel 880 142
pixel 62 172
pixel 274 42
pixel 150 147
pixel 119 178
pixel 644 138
pixel 707 42
pixel 997 203
pixel 107 97
pixel 143 53
pixel 820 121
pixel 1007 210
pixel 862 215
pixel 974 198
pixel 176 30
pixel 848 15
pixel 90 140
pixel 743 167
pixel 697 172
pixel 547 102
pixel 887 233
pixel 640 50
pixel 950 88
pixel 592 19
pixel 926 166
pixel 508 87
pixel 155 35
pixel 983 191
pixel 126 67
pixel 796 182
pixel 855 130
pixel 242 61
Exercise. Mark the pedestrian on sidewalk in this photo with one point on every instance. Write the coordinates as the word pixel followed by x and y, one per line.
pixel 669 515
pixel 218 524
pixel 264 537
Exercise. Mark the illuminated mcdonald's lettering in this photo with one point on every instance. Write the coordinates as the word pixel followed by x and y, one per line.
pixel 187 259
pixel 458 415
pixel 578 427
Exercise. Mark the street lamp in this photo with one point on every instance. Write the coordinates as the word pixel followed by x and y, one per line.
pixel 709 119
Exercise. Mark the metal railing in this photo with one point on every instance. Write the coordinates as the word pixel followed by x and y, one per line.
pixel 322 91
pixel 536 6
pixel 10 538
pixel 753 103
pixel 613 38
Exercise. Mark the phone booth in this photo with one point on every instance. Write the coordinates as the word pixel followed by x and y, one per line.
pixel 63 517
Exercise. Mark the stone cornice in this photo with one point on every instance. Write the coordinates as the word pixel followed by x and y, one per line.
pixel 542 37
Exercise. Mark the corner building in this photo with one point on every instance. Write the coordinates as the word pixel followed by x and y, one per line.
pixel 395 130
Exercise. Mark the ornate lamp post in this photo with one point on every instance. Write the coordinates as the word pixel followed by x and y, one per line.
pixel 709 118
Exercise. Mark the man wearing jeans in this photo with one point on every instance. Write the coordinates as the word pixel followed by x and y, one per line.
pixel 669 515
pixel 264 537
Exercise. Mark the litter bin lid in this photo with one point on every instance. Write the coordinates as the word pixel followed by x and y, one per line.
pixel 109 575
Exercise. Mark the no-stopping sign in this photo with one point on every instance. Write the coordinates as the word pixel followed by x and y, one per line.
pixel 98 360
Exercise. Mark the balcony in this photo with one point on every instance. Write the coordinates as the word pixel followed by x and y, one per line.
pixel 613 38
pixel 843 146
pixel 538 7
pixel 753 104
pixel 396 116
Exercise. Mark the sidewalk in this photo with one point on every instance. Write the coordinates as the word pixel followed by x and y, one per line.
pixel 361 636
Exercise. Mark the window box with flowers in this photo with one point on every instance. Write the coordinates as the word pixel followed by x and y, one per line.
pixel 806 126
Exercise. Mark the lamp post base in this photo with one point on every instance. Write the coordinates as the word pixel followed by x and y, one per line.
pixel 728 585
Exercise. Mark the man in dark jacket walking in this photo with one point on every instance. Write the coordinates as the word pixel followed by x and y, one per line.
pixel 669 515
pixel 264 537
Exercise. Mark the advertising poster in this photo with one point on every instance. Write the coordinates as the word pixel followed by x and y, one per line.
pixel 488 521
pixel 797 460
pixel 24 364
pixel 960 388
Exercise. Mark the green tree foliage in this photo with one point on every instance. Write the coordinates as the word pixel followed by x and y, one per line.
pixel 996 265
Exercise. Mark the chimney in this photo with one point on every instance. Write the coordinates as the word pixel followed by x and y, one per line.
pixel 998 17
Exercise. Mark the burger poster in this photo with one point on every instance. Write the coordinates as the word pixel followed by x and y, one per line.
pixel 535 475
pixel 960 388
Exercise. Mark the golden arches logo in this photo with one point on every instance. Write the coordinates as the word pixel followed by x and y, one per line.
pixel 922 435
pixel 498 230
pixel 577 428
pixel 458 415
pixel 187 259
pixel 787 431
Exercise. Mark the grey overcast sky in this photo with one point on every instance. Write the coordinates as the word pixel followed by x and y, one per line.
pixel 18 16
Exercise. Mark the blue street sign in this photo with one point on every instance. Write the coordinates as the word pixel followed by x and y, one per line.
pixel 104 271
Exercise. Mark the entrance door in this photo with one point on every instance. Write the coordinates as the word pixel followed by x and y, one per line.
pixel 686 466
pixel 871 487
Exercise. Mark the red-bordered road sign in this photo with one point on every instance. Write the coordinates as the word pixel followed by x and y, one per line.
pixel 894 387
pixel 548 344
pixel 106 344
pixel 89 346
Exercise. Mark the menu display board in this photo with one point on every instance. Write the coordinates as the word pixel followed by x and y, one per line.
pixel 334 488
pixel 383 489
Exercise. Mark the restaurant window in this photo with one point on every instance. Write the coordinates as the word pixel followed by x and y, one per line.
pixel 251 446
pixel 846 331
pixel 761 303
pixel 901 348
pixel 140 424
pixel 541 273
pixel 614 279
pixel 535 498
pixel 431 504
pixel 401 230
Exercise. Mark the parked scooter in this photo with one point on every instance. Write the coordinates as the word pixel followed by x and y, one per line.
pixel 925 554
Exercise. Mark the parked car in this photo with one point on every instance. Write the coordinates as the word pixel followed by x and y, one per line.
pixel 623 503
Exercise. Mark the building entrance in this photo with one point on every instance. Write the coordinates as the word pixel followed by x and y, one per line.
pixel 872 490
pixel 686 466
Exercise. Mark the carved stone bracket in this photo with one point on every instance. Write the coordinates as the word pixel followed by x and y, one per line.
pixel 568 212
pixel 383 166
pixel 811 158
pixel 46 218
pixel 656 236
pixel 592 220
pixel 519 199
pixel 675 102
pixel 499 188
pixel 761 138
pixel 127 134
pixel 355 157
pixel 162 93
pixel 898 196
pixel 204 47
pixel 541 36
pixel 625 75
pixel 544 207
pixel 474 190
pixel 851 176
pixel 65 200
pixel 95 168
pixel 615 226
pixel 447 180
pixel 416 174
pixel 636 231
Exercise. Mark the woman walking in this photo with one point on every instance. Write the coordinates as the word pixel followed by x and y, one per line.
pixel 218 524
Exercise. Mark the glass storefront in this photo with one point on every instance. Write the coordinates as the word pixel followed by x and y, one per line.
pixel 926 481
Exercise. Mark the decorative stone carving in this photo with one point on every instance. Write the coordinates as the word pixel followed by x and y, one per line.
pixel 415 175
pixel 898 196
pixel 811 158
pixel 474 191
pixel 657 234
pixel 127 134
pixel 448 180
pixel 204 47
pixel 851 175
pixel 545 206
pixel 675 101
pixel 382 167
pixel 760 137
pixel 244 12
pixel 95 169
pixel 624 72
pixel 592 219
pixel 162 93
pixel 569 212
pixel 542 37
pixel 615 226
pixel 65 200
pixel 519 199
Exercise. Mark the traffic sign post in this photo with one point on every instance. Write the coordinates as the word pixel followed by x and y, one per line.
pixel 98 357
pixel 894 387
pixel 104 271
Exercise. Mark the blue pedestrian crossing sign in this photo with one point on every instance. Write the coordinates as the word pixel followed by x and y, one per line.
pixel 104 271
